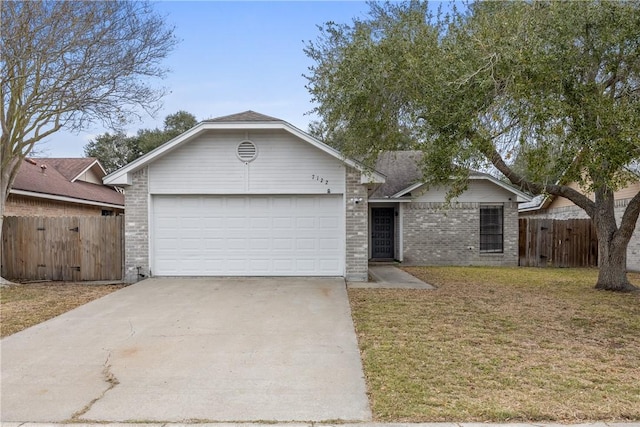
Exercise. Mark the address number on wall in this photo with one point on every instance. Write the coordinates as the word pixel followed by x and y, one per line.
pixel 319 179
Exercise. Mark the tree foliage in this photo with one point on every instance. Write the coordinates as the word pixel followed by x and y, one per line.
pixel 68 64
pixel 116 149
pixel 553 84
pixel 174 125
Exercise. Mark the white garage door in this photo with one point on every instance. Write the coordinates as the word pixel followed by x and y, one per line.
pixel 248 235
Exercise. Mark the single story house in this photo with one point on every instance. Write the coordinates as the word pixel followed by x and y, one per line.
pixel 252 195
pixel 555 207
pixel 62 187
pixel 479 227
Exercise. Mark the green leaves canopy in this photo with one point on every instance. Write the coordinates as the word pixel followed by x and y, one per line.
pixel 554 84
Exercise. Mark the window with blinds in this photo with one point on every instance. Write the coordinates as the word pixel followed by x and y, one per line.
pixel 491 229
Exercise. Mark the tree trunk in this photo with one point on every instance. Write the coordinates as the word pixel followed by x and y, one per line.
pixel 613 267
pixel 612 246
pixel 5 176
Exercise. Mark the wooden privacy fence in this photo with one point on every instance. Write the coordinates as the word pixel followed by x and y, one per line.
pixel 62 248
pixel 557 243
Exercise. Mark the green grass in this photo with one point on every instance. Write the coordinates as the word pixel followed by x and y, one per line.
pixel 500 344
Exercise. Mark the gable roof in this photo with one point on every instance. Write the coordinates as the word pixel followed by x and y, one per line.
pixel 402 169
pixel 72 168
pixel 247 120
pixel 57 178
pixel 536 203
pixel 404 175
pixel 245 116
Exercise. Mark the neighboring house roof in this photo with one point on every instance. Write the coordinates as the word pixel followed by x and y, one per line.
pixel 404 175
pixel 534 204
pixel 58 179
pixel 247 120
pixel 73 168
pixel 543 201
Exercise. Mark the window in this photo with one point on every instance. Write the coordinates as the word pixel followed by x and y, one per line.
pixel 491 229
pixel 106 212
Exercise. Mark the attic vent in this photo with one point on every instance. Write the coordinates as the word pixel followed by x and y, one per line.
pixel 247 151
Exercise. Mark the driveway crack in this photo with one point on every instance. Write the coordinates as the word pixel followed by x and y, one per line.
pixel 132 330
pixel 109 378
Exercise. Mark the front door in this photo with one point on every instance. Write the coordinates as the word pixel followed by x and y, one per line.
pixel 382 231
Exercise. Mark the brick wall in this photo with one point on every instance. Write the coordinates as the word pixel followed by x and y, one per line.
pixel 357 241
pixel 136 227
pixel 571 212
pixel 435 234
pixel 18 205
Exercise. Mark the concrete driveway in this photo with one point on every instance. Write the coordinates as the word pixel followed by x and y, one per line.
pixel 249 349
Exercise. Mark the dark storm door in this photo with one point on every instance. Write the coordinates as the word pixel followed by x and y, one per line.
pixel 382 231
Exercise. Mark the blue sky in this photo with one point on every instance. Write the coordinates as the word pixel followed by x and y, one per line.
pixel 233 56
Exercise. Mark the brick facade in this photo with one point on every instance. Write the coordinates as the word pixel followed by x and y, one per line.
pixel 432 233
pixel 356 228
pixel 435 234
pixel 19 205
pixel 574 212
pixel 136 228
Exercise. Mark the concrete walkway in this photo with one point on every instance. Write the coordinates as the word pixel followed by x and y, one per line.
pixel 390 277
pixel 178 350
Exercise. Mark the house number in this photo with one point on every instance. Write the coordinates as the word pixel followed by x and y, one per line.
pixel 320 179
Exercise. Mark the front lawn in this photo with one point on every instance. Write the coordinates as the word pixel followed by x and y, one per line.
pixel 22 306
pixel 500 344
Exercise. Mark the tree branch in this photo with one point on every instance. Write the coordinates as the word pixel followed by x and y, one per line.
pixel 630 217
pixel 535 188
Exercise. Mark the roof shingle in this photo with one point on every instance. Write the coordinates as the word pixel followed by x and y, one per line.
pixel 55 179
pixel 245 116
pixel 402 169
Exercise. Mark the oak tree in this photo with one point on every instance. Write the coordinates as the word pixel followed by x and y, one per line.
pixel 113 150
pixel 553 84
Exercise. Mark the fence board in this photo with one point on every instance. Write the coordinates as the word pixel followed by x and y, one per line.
pixel 557 243
pixel 62 248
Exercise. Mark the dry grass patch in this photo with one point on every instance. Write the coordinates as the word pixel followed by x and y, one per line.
pixel 501 344
pixel 22 306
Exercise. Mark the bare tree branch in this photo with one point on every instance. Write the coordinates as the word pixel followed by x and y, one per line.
pixel 70 63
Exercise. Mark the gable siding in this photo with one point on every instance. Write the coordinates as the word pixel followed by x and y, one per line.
pixel 622 194
pixel 478 191
pixel 284 165
pixel 90 176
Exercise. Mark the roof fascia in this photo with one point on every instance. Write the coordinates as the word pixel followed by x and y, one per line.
pixel 542 205
pixel 104 172
pixel 409 189
pixel 63 198
pixel 122 176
